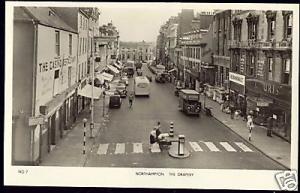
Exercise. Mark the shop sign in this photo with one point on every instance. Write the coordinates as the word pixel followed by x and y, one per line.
pixel 35 121
pixel 237 78
pixel 262 104
pixel 271 88
pixel 56 63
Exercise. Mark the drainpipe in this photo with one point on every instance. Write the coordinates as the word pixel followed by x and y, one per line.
pixel 34 74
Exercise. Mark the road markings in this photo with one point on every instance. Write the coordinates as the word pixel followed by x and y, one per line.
pixel 211 146
pixel 102 149
pixel 243 147
pixel 120 148
pixel 137 148
pixel 195 146
pixel 227 146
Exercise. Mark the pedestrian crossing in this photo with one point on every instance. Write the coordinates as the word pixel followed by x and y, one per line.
pixel 193 146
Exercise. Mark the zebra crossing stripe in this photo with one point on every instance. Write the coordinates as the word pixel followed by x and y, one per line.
pixel 137 148
pixel 195 146
pixel 227 146
pixel 102 149
pixel 120 148
pixel 211 146
pixel 243 147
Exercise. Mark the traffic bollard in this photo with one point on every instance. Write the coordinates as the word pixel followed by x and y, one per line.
pixel 181 141
pixel 84 131
pixel 171 133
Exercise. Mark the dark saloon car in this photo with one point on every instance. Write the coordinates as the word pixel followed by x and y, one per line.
pixel 115 101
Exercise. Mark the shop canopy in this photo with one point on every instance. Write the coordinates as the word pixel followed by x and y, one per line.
pixel 89 91
pixel 260 101
pixel 104 76
pixel 172 70
pixel 118 66
pixel 113 69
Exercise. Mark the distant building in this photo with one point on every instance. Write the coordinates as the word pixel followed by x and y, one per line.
pixel 107 45
pixel 137 51
pixel 221 54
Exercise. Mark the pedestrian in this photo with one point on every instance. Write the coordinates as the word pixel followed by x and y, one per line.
pixel 152 138
pixel 130 98
pixel 231 108
pixel 270 126
pixel 250 125
pixel 158 132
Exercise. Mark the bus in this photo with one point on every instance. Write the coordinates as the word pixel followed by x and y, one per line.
pixel 129 68
pixel 141 86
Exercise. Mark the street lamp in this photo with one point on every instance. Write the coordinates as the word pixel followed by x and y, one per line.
pixel 93 73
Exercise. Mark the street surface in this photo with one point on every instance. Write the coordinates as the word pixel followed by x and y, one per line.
pixel 125 141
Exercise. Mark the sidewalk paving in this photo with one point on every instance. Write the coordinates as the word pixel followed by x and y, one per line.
pixel 274 147
pixel 69 150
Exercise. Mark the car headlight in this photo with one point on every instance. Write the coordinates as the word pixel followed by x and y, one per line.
pixel 189 108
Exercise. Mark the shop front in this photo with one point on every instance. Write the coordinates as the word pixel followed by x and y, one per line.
pixel 192 76
pixel 237 90
pixel 270 99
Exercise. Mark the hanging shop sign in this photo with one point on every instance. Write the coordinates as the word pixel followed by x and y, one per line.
pixel 237 78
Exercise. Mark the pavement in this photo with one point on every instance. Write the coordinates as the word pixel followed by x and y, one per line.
pixel 69 150
pixel 274 147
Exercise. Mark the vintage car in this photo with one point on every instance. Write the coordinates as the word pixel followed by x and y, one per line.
pixel 124 80
pixel 115 101
pixel 121 89
pixel 161 77
pixel 189 102
pixel 139 72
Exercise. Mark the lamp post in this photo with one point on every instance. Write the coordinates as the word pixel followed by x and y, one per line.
pixel 93 73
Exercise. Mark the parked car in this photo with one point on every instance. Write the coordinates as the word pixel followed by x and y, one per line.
pixel 160 78
pixel 124 80
pixel 115 101
pixel 121 89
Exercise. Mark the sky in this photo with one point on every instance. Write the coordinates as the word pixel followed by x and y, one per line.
pixel 140 21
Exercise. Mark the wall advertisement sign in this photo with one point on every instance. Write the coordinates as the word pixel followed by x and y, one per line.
pixel 237 78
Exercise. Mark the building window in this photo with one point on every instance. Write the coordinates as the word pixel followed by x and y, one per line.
pixel 286 71
pixel 70 44
pixel 250 64
pixel 288 23
pixel 252 22
pixel 271 20
pixel 80 21
pixel 57 43
pixel 56 74
pixel 270 68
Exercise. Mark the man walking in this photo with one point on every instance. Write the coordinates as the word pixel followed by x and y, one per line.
pixel 130 98
pixel 250 125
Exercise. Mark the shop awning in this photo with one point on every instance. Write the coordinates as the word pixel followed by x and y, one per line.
pixel 114 69
pixel 172 70
pixel 259 101
pixel 105 76
pixel 86 91
pixel 118 66
pixel 120 63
